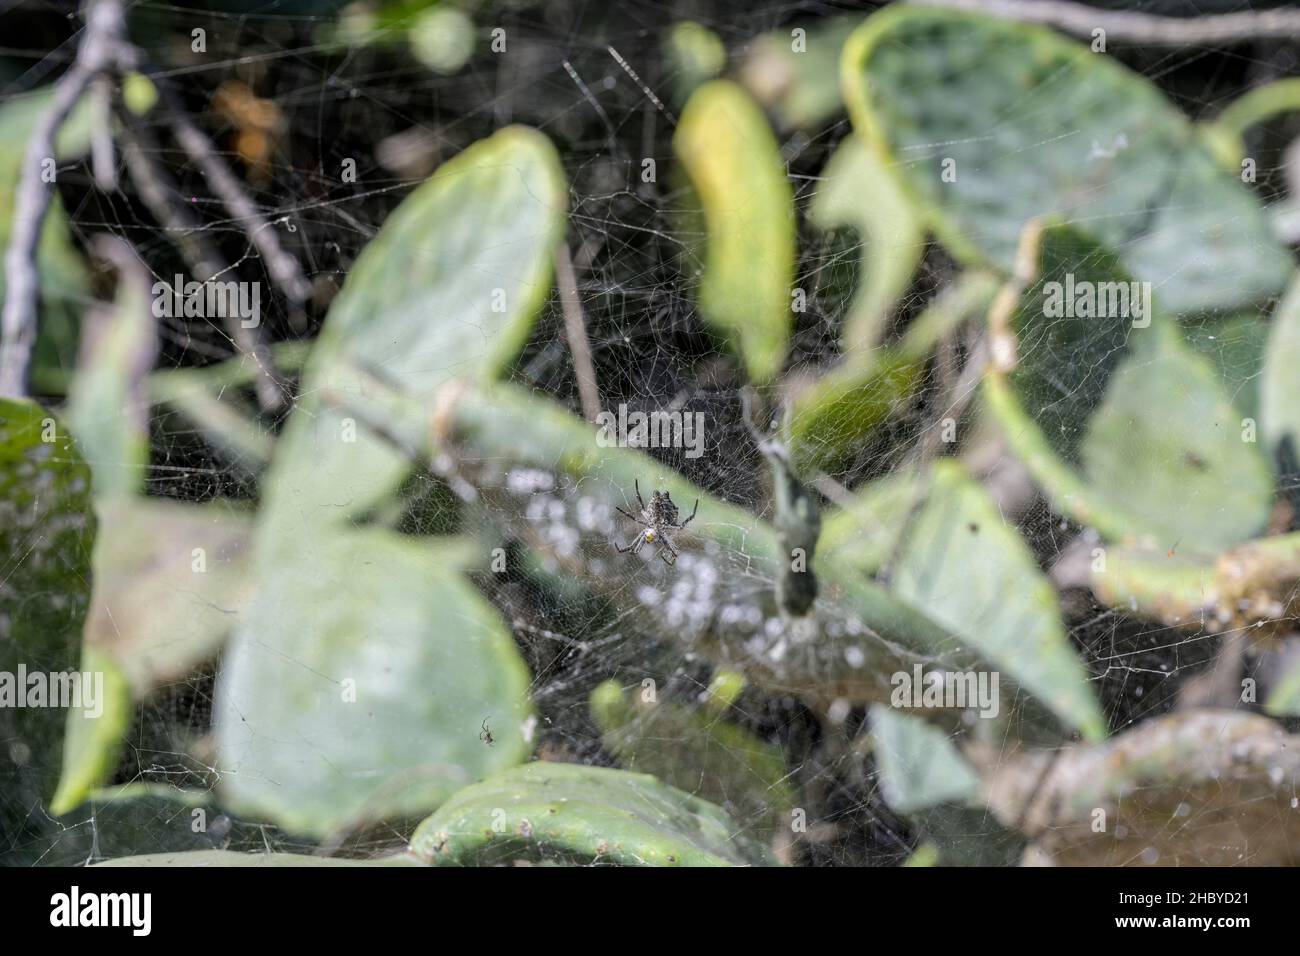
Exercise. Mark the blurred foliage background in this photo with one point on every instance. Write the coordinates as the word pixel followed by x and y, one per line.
pixel 352 576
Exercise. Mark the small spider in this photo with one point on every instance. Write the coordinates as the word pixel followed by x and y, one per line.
pixel 657 519
pixel 486 734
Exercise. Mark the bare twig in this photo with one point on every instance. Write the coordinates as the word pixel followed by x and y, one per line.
pixel 102 163
pixel 575 329
pixel 156 188
pixel 284 268
pixel 1081 21
pixel 104 51
pixel 98 52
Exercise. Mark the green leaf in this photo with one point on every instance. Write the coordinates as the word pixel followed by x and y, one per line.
pixel 696 751
pixel 1038 125
pixel 863 535
pixel 694 55
pixel 170 580
pixel 108 407
pixel 1279 402
pixel 64 282
pixel 1166 446
pixel 857 190
pixel 209 858
pixel 801 86
pixel 973 573
pixel 93 735
pixel 342 706
pixel 919 766
pixel 1238 348
pixel 586 815
pixel 450 287
pixel 1124 427
pixel 856 636
pixel 732 159
pixel 839 412
pixel 47 530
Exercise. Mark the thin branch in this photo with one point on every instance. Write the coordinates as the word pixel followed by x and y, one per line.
pixel 1128 25
pixel 575 329
pixel 98 52
pixel 102 162
pixel 284 268
pixel 156 188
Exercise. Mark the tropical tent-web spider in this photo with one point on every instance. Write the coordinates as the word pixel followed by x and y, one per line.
pixel 657 519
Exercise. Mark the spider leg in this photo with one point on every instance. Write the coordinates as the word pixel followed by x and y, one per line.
pixel 668 546
pixel 636 483
pixel 635 546
pixel 626 515
pixel 692 517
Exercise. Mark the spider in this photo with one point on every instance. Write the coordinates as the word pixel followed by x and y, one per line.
pixel 486 734
pixel 657 519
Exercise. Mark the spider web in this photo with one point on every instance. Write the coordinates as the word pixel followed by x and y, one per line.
pixel 398 119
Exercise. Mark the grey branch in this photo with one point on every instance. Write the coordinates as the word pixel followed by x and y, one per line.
pixel 103 51
pixel 156 189
pixel 102 162
pixel 576 331
pixel 284 268
pixel 97 53
pixel 1080 20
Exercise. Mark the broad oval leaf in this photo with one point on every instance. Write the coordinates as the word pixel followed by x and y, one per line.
pixel 992 123
pixel 449 287
pixel 733 162
pixel 1124 426
pixel 339 706
pixel 1167 447
pixel 973 573
pixel 568 813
